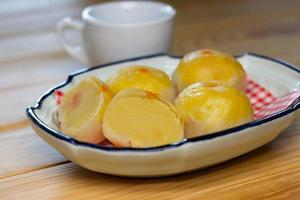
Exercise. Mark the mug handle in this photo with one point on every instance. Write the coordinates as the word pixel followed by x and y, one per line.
pixel 76 51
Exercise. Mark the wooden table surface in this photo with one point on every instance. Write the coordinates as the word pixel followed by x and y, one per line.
pixel 32 61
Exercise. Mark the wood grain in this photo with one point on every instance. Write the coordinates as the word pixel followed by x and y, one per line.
pixel 22 151
pixel 239 27
pixel 18 92
pixel 32 61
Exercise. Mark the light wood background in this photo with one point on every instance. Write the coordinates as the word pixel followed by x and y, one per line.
pixel 31 61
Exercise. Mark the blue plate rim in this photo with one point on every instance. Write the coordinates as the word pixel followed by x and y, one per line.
pixel 57 134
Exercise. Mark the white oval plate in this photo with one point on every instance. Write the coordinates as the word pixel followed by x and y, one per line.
pixel 276 76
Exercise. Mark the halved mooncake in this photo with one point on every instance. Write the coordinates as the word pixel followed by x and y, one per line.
pixel 137 118
pixel 82 108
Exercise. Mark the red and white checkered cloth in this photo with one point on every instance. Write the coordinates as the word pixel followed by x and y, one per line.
pixel 264 103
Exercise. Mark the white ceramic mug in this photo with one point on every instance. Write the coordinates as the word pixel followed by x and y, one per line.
pixel 118 30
